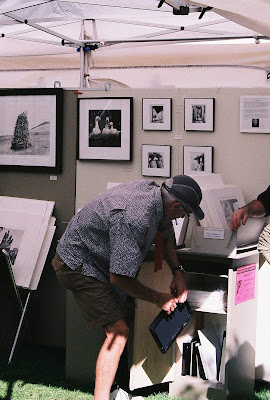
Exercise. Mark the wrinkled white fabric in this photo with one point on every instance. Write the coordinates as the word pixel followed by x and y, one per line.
pixel 264 243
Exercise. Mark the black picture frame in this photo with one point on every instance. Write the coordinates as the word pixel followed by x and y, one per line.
pixel 199 114
pixel 157 114
pixel 31 130
pixel 198 159
pixel 105 128
pixel 156 160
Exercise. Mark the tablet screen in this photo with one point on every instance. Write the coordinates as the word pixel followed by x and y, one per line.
pixel 166 327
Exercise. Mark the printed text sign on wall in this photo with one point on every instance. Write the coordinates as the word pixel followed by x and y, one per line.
pixel 245 283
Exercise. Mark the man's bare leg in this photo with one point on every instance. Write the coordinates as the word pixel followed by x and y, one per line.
pixel 109 357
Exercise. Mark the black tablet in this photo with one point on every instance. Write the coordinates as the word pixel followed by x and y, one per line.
pixel 166 327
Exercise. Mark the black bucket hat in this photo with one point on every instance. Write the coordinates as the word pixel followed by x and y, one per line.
pixel 186 190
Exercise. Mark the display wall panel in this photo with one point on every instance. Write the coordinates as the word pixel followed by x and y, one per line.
pixel 49 301
pixel 240 158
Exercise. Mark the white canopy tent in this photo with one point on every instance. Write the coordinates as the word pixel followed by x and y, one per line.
pixel 110 35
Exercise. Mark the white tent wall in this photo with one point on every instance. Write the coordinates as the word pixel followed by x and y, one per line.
pixel 177 65
pixel 184 77
pixel 139 77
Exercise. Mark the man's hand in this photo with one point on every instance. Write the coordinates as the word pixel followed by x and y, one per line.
pixel 134 288
pixel 167 302
pixel 253 209
pixel 240 215
pixel 178 287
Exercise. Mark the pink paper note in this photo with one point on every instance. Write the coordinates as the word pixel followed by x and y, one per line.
pixel 245 283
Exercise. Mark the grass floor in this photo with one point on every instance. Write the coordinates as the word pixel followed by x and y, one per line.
pixel 38 373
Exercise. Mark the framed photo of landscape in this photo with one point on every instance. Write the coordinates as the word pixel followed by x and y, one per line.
pixel 31 129
pixel 105 128
pixel 199 114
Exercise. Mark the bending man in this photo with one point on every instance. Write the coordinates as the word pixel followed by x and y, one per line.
pixel 103 248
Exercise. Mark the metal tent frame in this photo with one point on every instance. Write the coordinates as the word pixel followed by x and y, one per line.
pixel 25 22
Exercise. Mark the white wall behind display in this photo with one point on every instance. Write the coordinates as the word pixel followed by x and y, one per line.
pixel 241 158
pixel 139 78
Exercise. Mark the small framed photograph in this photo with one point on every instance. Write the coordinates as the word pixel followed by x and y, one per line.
pixel 156 160
pixel 199 114
pixel 31 129
pixel 198 159
pixel 105 128
pixel 157 114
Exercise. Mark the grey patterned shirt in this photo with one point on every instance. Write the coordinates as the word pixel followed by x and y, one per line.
pixel 114 231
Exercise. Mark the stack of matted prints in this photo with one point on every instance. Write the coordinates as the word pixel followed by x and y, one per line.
pixel 219 201
pixel 26 232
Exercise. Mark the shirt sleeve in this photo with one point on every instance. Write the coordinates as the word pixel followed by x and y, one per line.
pixel 125 241
pixel 264 242
pixel 264 198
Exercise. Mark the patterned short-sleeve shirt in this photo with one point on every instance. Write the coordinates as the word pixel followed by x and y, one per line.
pixel 114 231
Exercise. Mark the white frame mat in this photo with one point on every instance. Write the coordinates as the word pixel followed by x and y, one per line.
pixel 199 114
pixel 104 148
pixel 31 245
pixel 197 159
pixel 157 114
pixel 164 152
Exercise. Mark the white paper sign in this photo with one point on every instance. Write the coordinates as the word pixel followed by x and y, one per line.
pixel 255 114
pixel 210 233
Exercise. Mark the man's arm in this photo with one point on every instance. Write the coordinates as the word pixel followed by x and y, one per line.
pixel 264 243
pixel 178 285
pixel 253 209
pixel 136 289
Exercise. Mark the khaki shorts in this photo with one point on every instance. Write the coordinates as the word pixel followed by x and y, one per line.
pixel 97 300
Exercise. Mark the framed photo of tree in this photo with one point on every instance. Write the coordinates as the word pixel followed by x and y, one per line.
pixel 31 129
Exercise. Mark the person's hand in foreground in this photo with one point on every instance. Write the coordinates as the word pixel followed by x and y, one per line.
pixel 239 216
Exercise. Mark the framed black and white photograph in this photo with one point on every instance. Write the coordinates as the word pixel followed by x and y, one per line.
pixel 199 114
pixel 156 160
pixel 255 114
pixel 105 128
pixel 31 129
pixel 157 114
pixel 197 159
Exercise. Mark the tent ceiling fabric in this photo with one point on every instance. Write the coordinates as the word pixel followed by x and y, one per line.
pixel 253 15
pixel 134 32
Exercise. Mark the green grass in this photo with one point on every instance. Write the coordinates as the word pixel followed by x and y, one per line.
pixel 38 373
